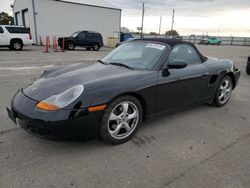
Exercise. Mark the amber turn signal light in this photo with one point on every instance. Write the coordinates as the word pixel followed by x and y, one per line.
pixel 47 107
pixel 97 108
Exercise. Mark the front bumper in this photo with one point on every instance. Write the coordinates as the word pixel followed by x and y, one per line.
pixel 61 124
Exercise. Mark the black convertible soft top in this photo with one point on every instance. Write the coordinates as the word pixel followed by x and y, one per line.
pixel 172 43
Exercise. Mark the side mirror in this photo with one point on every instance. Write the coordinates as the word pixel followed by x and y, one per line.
pixel 177 64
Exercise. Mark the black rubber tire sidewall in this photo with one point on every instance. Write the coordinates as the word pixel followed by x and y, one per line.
pixel 103 128
pixel 216 100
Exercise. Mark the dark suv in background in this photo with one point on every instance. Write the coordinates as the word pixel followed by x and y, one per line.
pixel 88 39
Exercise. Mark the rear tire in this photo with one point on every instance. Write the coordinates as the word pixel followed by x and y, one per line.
pixel 121 120
pixel 16 45
pixel 96 47
pixel 223 92
pixel 88 48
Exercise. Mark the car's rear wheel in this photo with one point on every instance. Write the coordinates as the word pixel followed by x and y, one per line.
pixel 223 92
pixel 96 47
pixel 121 120
pixel 88 48
pixel 70 46
pixel 16 45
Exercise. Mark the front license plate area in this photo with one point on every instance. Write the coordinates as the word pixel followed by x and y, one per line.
pixel 11 115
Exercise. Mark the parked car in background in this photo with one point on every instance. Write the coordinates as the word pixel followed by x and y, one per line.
pixel 88 39
pixel 174 37
pixel 125 37
pixel 248 66
pixel 120 43
pixel 210 40
pixel 14 37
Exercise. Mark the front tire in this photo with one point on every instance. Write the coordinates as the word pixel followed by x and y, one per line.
pixel 70 46
pixel 223 92
pixel 121 120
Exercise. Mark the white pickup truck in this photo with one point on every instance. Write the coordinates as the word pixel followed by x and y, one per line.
pixel 14 37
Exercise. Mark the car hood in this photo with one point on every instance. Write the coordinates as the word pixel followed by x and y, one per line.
pixel 57 80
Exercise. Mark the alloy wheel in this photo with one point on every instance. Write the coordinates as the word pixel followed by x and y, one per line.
pixel 71 46
pixel 225 91
pixel 17 46
pixel 96 47
pixel 123 120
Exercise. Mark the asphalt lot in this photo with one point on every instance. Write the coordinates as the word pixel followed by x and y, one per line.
pixel 198 147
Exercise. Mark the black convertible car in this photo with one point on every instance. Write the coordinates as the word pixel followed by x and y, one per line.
pixel 111 98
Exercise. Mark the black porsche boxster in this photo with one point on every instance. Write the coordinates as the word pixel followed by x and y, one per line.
pixel 110 98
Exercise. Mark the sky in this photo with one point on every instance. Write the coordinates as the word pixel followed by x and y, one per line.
pixel 215 17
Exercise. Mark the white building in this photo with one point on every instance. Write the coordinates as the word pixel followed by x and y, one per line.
pixel 61 18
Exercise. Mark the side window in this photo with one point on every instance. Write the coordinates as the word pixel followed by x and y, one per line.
pixel 18 30
pixel 82 35
pixel 1 30
pixel 186 53
pixel 90 36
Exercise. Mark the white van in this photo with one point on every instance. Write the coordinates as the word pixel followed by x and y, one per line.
pixel 15 37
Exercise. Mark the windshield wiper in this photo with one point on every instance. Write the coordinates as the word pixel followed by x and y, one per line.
pixel 101 62
pixel 121 65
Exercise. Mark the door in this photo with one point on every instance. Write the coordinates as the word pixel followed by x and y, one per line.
pixel 184 86
pixel 3 38
pixel 81 39
pixel 26 21
pixel 91 39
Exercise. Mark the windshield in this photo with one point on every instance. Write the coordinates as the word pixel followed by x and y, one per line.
pixel 136 55
pixel 75 34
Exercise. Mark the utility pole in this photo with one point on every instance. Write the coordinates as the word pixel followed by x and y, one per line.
pixel 160 25
pixel 142 23
pixel 172 26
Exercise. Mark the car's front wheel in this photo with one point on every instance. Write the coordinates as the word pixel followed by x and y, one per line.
pixel 121 120
pixel 70 46
pixel 223 92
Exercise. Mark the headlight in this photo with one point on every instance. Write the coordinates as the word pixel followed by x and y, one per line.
pixel 56 102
